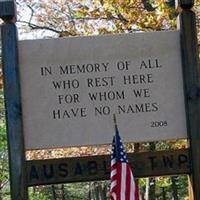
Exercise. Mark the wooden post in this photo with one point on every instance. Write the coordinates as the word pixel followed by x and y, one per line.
pixel 190 73
pixel 7 9
pixel 16 149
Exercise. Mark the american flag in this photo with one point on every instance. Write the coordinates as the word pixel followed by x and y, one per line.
pixel 123 186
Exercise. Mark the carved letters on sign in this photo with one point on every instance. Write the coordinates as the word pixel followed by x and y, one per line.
pixel 82 81
pixel 98 167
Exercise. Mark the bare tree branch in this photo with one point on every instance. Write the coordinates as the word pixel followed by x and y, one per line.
pixel 35 27
pixel 32 13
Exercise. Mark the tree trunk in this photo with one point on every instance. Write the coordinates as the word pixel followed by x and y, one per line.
pixel 104 192
pixel 163 193
pixel 97 191
pixel 147 189
pixel 90 192
pixel 142 193
pixel 137 149
pixel 62 192
pixel 53 192
pixel 174 188
pixel 152 188
pixel 94 191
pixel 190 190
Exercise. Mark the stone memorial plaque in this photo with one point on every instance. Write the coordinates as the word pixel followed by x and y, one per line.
pixel 71 88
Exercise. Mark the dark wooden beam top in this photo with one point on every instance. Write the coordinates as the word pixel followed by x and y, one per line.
pixel 186 4
pixel 93 168
pixel 7 10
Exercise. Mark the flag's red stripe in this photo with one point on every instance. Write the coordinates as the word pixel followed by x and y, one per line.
pixel 136 191
pixel 128 182
pixel 123 186
pixel 118 176
pixel 113 179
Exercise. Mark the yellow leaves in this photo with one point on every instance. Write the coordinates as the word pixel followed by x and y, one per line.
pixel 103 30
pixel 95 13
pixel 149 21
pixel 131 13
pixel 80 13
pixel 163 181
pixel 86 17
pixel 68 152
pixel 162 8
pixel 197 12
pixel 67 34
pixel 178 144
pixel 173 23
pixel 109 7
pixel 97 150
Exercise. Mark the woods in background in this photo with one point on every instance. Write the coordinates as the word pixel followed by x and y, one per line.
pixel 57 18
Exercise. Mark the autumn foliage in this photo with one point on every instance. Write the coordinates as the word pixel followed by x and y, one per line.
pixel 64 18
pixel 86 17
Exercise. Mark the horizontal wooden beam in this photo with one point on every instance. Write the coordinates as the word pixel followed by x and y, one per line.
pixel 7 9
pixel 91 168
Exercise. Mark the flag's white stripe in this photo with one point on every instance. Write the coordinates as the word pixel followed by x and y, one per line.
pixel 132 189
pixel 113 161
pixel 113 172
pixel 114 195
pixel 123 181
pixel 113 184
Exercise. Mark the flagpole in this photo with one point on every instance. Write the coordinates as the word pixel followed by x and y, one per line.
pixel 123 185
pixel 115 124
pixel 115 121
pixel 116 135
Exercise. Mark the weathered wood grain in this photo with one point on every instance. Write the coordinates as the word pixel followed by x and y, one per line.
pixel 191 84
pixel 7 9
pixel 91 168
pixel 13 113
pixel 186 4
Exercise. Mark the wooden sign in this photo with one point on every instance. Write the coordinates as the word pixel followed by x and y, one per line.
pixel 158 72
pixel 71 88
pixel 66 170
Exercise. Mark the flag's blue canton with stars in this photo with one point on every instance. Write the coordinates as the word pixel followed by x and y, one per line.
pixel 122 186
pixel 118 149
